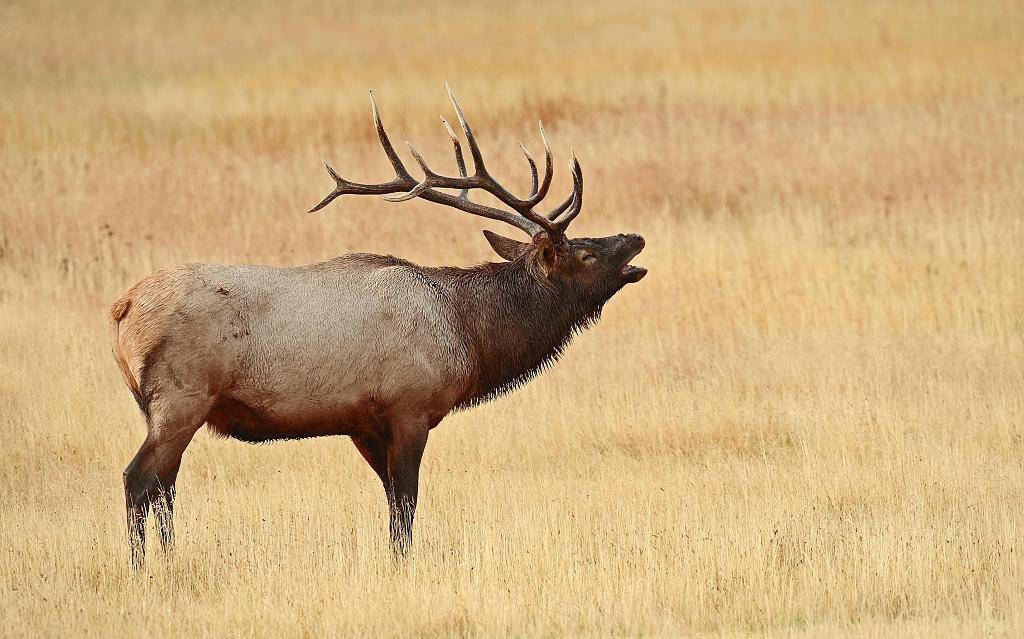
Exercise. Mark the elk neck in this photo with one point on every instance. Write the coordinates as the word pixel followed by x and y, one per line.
pixel 517 325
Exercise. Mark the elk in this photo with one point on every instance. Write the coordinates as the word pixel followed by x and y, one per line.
pixel 369 346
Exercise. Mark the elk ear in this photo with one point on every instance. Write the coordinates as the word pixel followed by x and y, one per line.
pixel 547 252
pixel 503 246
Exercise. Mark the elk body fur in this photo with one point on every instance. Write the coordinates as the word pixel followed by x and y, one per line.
pixel 372 347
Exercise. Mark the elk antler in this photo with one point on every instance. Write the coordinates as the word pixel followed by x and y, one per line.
pixel 522 215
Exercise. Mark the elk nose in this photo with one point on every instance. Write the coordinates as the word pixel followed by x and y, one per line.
pixel 635 238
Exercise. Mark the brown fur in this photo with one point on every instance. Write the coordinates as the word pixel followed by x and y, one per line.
pixel 373 347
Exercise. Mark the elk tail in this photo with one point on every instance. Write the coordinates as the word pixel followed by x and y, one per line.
pixel 117 313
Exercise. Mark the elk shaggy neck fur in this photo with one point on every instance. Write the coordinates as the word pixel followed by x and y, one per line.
pixel 515 323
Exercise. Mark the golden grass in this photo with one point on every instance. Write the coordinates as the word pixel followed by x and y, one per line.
pixel 806 421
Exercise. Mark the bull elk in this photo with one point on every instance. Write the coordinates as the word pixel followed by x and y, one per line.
pixel 373 347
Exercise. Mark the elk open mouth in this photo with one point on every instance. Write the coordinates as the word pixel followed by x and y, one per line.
pixel 632 273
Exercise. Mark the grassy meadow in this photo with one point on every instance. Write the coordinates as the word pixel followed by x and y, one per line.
pixel 808 420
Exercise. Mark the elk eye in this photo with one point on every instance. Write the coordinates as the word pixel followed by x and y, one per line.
pixel 588 258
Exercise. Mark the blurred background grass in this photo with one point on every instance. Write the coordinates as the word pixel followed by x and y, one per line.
pixel 806 419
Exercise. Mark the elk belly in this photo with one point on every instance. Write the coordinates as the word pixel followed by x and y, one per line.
pixel 238 420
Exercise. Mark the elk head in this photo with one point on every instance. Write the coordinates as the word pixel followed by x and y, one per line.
pixel 595 268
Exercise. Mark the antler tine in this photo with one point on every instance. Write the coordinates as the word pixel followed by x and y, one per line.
pixel 533 170
pixel 396 162
pixel 577 196
pixel 402 181
pixel 474 150
pixel 430 179
pixel 555 212
pixel 338 190
pixel 538 194
pixel 484 180
pixel 549 171
pixel 459 160
pixel 577 192
pixel 423 185
pixel 419 160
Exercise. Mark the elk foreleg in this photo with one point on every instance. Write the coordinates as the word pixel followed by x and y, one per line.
pixel 404 453
pixel 375 451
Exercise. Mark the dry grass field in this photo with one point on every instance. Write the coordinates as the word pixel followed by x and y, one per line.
pixel 808 420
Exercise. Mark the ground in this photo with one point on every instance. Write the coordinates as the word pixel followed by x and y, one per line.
pixel 806 421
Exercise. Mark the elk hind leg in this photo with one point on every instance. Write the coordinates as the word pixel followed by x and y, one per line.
pixel 150 477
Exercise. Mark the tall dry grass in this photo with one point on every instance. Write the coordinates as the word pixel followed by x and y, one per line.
pixel 807 420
